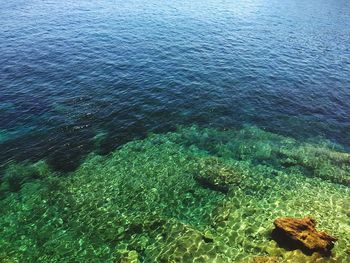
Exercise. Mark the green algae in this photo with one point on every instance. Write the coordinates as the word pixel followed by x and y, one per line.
pixel 145 202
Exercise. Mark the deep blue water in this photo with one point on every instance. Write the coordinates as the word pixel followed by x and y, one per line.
pixel 71 70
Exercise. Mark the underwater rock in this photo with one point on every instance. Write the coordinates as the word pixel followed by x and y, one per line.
pixel 262 259
pixel 130 257
pixel 294 233
pixel 318 161
pixel 17 174
pixel 214 174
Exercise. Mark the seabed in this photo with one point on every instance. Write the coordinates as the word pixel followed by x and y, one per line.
pixel 194 195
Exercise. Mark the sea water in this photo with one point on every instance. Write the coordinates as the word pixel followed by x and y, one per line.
pixel 110 110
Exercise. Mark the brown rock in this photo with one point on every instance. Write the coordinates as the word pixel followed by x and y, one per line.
pixel 294 233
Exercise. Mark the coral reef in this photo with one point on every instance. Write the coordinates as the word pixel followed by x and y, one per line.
pixel 302 233
pixel 145 202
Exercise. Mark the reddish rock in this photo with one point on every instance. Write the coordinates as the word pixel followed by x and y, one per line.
pixel 297 233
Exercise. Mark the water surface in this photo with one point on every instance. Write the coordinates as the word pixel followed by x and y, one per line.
pixel 73 69
pixel 172 131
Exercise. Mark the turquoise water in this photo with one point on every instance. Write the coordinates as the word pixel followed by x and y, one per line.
pixel 144 202
pixel 113 112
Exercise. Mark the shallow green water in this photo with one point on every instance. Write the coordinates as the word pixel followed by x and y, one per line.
pixel 145 203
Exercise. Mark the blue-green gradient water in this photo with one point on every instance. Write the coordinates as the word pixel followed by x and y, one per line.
pixel 114 112
pixel 72 69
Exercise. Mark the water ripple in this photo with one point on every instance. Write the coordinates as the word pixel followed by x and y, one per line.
pixel 71 69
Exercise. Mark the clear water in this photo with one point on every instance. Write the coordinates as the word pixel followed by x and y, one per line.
pixel 78 77
pixel 72 69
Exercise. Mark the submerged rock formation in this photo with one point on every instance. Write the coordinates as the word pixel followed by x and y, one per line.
pixel 264 259
pixel 294 233
pixel 216 175
pixel 130 257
